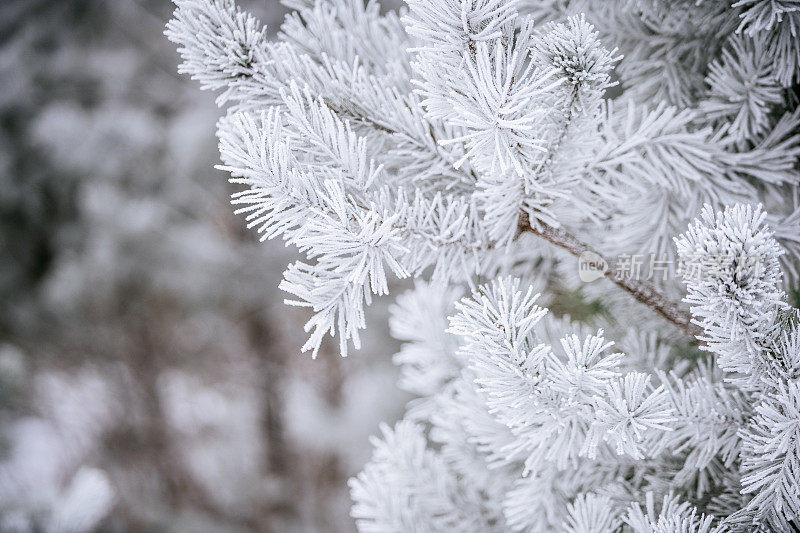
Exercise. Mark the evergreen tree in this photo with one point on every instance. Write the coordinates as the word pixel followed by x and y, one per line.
pixel 457 141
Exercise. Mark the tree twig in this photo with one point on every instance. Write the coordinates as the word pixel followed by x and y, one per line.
pixel 642 292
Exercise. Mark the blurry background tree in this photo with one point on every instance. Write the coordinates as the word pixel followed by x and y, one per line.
pixel 147 363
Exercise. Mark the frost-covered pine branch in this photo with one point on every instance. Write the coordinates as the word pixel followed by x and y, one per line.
pixel 462 141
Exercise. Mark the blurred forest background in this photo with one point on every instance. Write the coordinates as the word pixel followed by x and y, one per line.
pixel 150 375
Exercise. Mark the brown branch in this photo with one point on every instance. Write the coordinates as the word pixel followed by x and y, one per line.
pixel 642 292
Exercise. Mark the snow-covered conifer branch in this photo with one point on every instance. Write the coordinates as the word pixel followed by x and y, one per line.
pixel 558 407
pixel 770 450
pixel 707 417
pixel 222 47
pixel 778 23
pixel 459 142
pixel 408 487
pixel 673 515
pixel 428 358
pixel 742 89
pixel 592 513
pixel 731 269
